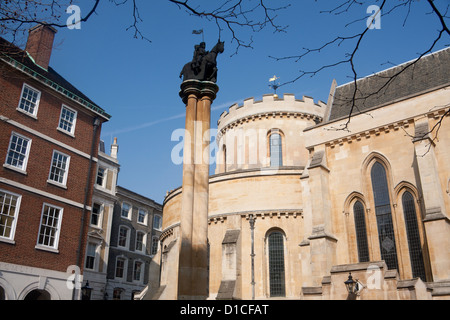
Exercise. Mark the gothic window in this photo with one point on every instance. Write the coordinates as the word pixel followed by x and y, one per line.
pixel 276 264
pixel 384 216
pixel 276 150
pixel 224 158
pixel 412 231
pixel 361 232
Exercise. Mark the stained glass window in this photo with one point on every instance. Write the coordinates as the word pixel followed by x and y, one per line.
pixel 412 231
pixel 361 232
pixel 276 265
pixel 384 217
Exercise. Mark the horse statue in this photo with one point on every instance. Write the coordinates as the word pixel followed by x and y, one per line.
pixel 203 67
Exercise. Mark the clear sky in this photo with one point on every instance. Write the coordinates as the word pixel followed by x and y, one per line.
pixel 137 82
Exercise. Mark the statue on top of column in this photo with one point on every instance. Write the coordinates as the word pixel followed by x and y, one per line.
pixel 203 66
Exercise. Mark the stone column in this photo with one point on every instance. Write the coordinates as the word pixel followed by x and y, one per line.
pixel 193 273
pixel 322 242
pixel 436 221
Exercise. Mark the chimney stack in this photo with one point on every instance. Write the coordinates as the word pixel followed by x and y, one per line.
pixel 114 149
pixel 40 44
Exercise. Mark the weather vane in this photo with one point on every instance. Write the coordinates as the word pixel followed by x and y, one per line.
pixel 274 85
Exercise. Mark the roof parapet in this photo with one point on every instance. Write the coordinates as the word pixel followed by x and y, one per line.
pixel 272 103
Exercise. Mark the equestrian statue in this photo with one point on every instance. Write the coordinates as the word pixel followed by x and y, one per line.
pixel 203 66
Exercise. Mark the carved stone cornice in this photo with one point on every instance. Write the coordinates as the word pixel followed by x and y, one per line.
pixel 199 89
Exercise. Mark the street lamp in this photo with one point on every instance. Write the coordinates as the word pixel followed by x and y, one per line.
pixel 352 285
pixel 86 291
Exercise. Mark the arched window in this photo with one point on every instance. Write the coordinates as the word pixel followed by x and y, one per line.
pixel 276 150
pixel 412 231
pixel 361 232
pixel 384 217
pixel 224 150
pixel 276 264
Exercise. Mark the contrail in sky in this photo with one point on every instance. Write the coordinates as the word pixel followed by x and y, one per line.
pixel 152 123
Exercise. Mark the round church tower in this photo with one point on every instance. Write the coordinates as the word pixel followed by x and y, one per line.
pixel 255 201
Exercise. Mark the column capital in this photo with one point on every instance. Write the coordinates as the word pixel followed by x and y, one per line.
pixel 198 88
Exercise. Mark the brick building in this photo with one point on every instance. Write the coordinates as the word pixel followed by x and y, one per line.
pixel 49 138
pixel 135 233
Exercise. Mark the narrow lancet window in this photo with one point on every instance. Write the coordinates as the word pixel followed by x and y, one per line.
pixel 412 231
pixel 361 232
pixel 384 217
pixel 276 151
pixel 276 265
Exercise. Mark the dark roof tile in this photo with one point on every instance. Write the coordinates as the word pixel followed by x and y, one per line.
pixel 406 80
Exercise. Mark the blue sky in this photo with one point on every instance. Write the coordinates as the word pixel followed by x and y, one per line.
pixel 137 82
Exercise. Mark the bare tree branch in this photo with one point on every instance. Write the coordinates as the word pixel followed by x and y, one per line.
pixel 358 37
pixel 18 16
pixel 235 15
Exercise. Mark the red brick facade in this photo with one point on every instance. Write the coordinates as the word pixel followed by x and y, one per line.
pixel 32 185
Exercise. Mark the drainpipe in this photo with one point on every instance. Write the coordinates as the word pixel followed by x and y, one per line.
pixel 252 229
pixel 86 197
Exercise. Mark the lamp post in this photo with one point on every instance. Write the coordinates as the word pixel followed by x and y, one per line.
pixel 252 228
pixel 86 291
pixel 351 285
pixel 354 288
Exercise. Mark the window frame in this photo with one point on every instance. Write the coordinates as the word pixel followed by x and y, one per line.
pixel 155 245
pixel 12 234
pixel 130 210
pixel 158 228
pixel 141 271
pixel 66 170
pixel 124 268
pixel 281 151
pixel 384 214
pixel 104 176
pixel 270 234
pixel 23 168
pixel 144 242
pixel 55 246
pixel 100 215
pixel 95 256
pixel 362 248
pixel 413 237
pixel 127 238
pixel 59 128
pixel 145 222
pixel 38 100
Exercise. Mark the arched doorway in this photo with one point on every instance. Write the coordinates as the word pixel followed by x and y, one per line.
pixel 38 295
